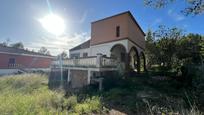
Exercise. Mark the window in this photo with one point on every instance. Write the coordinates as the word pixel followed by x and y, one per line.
pixel 76 55
pixel 12 60
pixel 118 31
pixel 85 54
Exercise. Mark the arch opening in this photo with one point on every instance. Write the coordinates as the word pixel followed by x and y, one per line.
pixel 142 62
pixel 118 52
pixel 134 59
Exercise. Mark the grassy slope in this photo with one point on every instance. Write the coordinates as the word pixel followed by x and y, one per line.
pixel 29 94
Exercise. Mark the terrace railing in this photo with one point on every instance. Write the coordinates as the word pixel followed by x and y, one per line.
pixel 95 62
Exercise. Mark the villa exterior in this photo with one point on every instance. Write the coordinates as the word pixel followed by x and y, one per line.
pixel 117 43
pixel 13 60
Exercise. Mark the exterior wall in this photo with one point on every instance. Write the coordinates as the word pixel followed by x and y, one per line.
pixel 106 47
pixel 105 30
pixel 135 34
pixel 25 61
pixel 79 78
pixel 87 50
pixel 101 48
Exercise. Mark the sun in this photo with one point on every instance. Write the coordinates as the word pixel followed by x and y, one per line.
pixel 53 24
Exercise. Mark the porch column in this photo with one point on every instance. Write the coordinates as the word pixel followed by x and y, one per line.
pixel 138 64
pixel 89 77
pixel 69 75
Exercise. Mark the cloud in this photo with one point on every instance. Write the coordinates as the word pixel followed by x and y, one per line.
pixel 58 44
pixel 175 16
pixel 84 16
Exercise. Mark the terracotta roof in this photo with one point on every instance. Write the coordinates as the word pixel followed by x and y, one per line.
pixel 81 46
pixel 6 49
pixel 127 12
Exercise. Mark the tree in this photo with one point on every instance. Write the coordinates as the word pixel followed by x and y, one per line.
pixel 18 45
pixel 5 43
pixel 150 49
pixel 166 44
pixel 191 48
pixel 194 7
pixel 63 55
pixel 44 50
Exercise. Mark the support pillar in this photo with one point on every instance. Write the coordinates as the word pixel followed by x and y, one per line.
pixel 89 77
pixel 138 64
pixel 69 73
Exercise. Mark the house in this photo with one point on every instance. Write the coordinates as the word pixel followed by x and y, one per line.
pixel 117 43
pixel 13 60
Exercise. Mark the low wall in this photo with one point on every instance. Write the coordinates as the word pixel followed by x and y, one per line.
pixel 8 71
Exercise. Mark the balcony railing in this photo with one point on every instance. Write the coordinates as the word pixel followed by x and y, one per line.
pixel 96 62
pixel 15 66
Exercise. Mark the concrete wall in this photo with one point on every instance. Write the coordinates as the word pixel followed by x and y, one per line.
pixel 79 78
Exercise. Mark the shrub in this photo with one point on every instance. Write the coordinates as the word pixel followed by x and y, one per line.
pixel 90 105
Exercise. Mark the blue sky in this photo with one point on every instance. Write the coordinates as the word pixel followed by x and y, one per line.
pixel 19 20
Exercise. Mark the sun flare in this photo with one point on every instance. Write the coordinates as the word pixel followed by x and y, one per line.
pixel 53 24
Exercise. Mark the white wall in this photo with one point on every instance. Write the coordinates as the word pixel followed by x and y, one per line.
pixel 81 51
pixel 106 47
pixel 8 71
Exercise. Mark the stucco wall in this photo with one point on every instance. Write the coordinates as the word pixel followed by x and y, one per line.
pixel 87 50
pixel 135 34
pixel 106 47
pixel 105 30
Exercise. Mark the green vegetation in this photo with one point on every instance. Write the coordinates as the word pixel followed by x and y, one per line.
pixel 192 7
pixel 29 94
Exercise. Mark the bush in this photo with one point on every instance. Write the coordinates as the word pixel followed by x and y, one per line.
pixel 90 105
